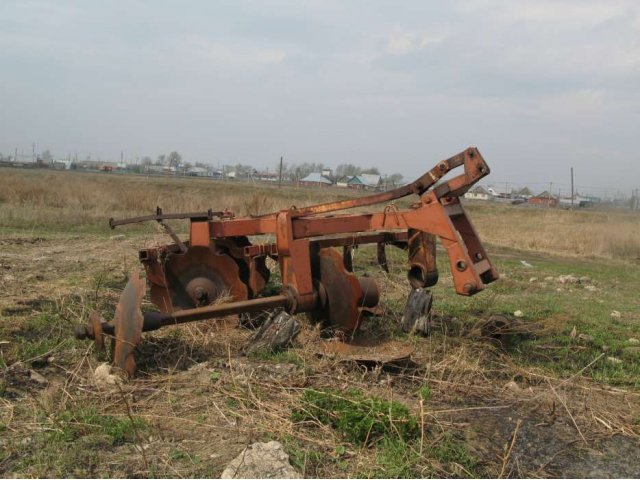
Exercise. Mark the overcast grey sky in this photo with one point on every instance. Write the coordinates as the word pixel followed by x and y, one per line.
pixel 538 86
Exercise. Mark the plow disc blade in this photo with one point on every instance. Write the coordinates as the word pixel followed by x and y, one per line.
pixel 197 278
pixel 128 323
pixel 367 352
pixel 344 293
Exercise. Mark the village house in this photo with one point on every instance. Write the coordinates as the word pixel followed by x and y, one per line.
pixel 478 193
pixel 500 193
pixel 543 199
pixel 198 172
pixel 328 173
pixel 365 181
pixel 267 176
pixel 578 201
pixel 524 192
pixel 343 181
pixel 315 179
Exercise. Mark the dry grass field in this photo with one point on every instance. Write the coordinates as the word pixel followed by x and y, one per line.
pixel 581 233
pixel 59 201
pixel 555 394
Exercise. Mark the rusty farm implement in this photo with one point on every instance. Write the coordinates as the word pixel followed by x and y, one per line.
pixel 219 272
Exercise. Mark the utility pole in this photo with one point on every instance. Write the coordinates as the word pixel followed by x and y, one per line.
pixel 280 175
pixel 15 155
pixel 572 188
pixel 549 195
pixel 33 151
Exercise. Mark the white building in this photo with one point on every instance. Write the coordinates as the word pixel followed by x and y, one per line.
pixel 499 193
pixel 478 193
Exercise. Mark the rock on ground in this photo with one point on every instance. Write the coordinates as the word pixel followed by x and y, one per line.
pixel 261 460
pixel 33 375
pixel 564 279
pixel 584 338
pixel 103 376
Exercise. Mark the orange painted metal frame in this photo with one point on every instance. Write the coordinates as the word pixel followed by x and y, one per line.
pixel 438 212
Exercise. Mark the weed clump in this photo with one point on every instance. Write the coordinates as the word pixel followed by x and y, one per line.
pixel 424 392
pixel 389 431
pixel 359 418
pixel 73 424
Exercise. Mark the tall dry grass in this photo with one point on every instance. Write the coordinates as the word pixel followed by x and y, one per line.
pixel 580 232
pixel 75 200
pixel 36 200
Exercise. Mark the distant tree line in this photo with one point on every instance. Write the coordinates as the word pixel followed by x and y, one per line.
pixel 174 159
pixel 291 172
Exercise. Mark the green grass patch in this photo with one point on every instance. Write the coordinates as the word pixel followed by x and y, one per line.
pixel 73 424
pixel 445 456
pixel 39 335
pixel 305 459
pixel 424 392
pixel 71 443
pixel 386 430
pixel 550 308
pixel 359 418
pixel 281 356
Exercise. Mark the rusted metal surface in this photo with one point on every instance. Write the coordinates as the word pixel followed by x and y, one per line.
pixel 96 322
pixel 340 308
pixel 368 352
pixel 169 231
pixel 92 330
pixel 347 257
pixel 423 270
pixel 370 295
pixel 394 238
pixel 381 255
pixel 128 322
pixel 196 278
pixel 219 272
pixel 418 187
pixel 255 305
pixel 159 216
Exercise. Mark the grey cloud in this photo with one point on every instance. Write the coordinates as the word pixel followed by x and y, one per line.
pixel 398 85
